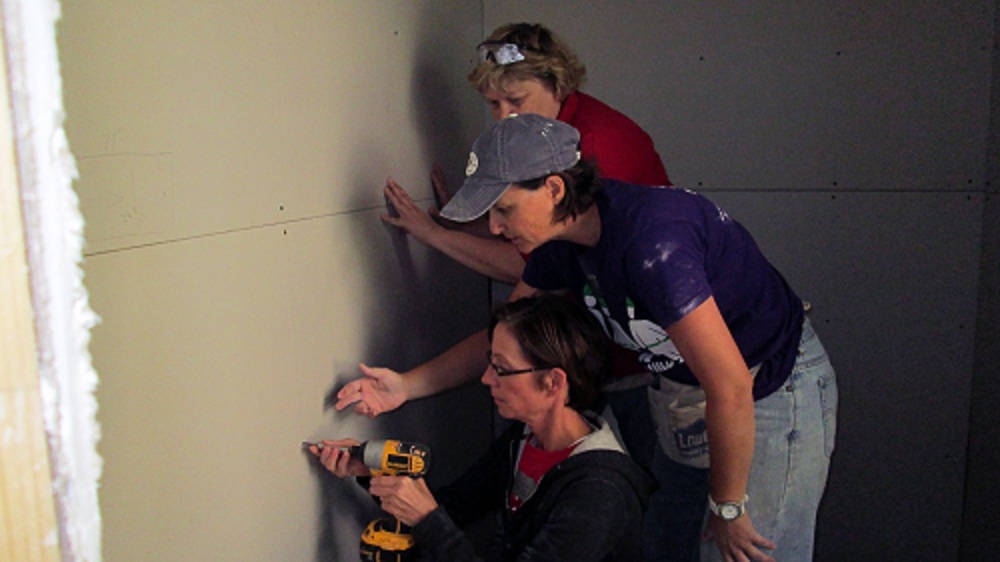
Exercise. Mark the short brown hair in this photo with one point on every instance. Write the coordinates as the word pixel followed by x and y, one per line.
pixel 555 331
pixel 546 58
pixel 583 183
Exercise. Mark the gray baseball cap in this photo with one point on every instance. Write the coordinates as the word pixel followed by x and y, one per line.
pixel 512 150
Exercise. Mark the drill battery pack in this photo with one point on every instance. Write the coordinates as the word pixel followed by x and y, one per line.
pixel 387 540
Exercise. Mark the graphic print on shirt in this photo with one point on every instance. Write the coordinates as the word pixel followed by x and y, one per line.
pixel 657 353
pixel 599 308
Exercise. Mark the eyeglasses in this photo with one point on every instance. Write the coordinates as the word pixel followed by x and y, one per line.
pixel 500 53
pixel 501 372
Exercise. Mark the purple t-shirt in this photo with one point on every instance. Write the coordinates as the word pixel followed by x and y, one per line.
pixel 663 252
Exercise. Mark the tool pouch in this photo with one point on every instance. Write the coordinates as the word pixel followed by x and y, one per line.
pixel 678 412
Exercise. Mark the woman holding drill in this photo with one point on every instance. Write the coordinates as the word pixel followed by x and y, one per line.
pixel 565 487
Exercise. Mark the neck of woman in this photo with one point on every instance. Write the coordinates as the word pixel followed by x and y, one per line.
pixel 585 229
pixel 560 429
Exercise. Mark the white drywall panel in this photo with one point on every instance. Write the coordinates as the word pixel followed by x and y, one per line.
pixel 892 278
pixel 216 356
pixel 231 160
pixel 791 95
pixel 205 117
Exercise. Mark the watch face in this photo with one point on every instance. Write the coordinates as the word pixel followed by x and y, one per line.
pixel 729 512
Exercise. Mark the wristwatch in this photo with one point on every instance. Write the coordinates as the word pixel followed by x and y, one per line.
pixel 728 511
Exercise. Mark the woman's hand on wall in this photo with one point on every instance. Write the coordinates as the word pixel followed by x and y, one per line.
pixel 380 390
pixel 418 222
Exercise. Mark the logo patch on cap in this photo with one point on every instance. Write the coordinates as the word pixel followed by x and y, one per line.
pixel 473 164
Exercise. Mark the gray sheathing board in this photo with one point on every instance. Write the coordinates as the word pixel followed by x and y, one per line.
pixel 892 280
pixel 851 137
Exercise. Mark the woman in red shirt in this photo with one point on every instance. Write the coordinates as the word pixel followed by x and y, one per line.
pixel 525 68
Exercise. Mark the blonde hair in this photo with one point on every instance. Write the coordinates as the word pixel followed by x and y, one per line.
pixel 546 59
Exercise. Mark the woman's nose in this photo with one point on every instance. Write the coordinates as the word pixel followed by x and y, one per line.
pixel 503 111
pixel 488 376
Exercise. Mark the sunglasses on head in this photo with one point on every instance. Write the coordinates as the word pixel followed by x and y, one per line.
pixel 501 53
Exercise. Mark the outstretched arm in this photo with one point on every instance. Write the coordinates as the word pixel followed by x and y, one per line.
pixel 381 390
pixel 494 257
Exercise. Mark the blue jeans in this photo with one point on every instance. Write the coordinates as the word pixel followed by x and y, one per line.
pixel 795 431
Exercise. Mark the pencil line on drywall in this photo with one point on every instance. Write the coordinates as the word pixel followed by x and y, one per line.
pixel 226 232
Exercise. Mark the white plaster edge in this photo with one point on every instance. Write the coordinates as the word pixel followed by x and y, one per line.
pixel 54 241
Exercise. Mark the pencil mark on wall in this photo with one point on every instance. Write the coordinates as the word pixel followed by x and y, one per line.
pixel 126 194
pixel 248 228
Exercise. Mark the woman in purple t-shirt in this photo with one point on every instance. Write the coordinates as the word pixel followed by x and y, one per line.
pixel 738 368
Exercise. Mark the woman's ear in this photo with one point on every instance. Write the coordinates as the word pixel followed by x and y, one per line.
pixel 556 189
pixel 556 380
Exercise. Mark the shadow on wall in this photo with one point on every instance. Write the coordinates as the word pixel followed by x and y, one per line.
pixel 439 108
pixel 420 302
pixel 346 510
pixel 438 122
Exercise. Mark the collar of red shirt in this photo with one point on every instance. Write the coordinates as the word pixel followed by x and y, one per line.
pixel 568 109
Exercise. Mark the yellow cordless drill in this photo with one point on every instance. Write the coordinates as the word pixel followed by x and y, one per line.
pixel 387 539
